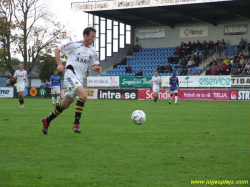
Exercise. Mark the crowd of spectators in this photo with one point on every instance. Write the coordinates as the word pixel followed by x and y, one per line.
pixel 239 65
pixel 187 56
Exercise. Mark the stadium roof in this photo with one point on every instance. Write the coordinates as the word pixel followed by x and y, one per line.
pixel 209 12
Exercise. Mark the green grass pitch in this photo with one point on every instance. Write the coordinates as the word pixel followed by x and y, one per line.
pixel 194 140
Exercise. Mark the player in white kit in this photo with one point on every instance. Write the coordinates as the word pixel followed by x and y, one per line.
pixel 80 54
pixel 155 83
pixel 21 77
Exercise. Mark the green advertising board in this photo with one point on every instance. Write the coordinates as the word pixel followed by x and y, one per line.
pixel 135 81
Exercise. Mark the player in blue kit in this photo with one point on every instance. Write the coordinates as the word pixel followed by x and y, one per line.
pixel 174 87
pixel 55 84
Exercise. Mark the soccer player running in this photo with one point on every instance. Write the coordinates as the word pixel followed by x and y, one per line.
pixel 155 83
pixel 55 84
pixel 174 87
pixel 21 76
pixel 81 54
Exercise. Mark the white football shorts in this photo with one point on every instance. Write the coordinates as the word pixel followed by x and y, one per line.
pixel 55 90
pixel 20 87
pixel 71 82
pixel 156 89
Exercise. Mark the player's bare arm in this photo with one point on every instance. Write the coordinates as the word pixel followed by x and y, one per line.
pixel 96 68
pixel 60 66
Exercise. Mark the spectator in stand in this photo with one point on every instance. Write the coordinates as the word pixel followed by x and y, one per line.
pixel 190 63
pixel 198 45
pixel 214 71
pixel 208 72
pixel 171 59
pixel 237 66
pixel 223 42
pixel 241 54
pixel 242 71
pixel 177 50
pixel 226 61
pixel 176 59
pixel 183 71
pixel 242 44
pixel 192 57
pixel 211 45
pixel 246 53
pixel 137 47
pixel 247 66
pixel 227 71
pixel 162 68
pixel 197 52
pixel 242 60
pixel 188 57
pixel 204 45
pixel 220 48
pixel 237 60
pixel 193 46
pixel 119 61
pixel 248 71
pixel 131 50
pixel 183 62
pixel 139 73
pixel 213 62
pixel 232 63
pixel 232 71
pixel 183 46
pixel 168 68
pixel 159 69
pixel 248 47
pixel 124 61
pixel 246 59
pixel 190 71
pixel 236 56
pixel 189 47
pixel 206 50
pixel 243 65
pixel 236 72
pixel 128 69
pixel 217 43
pixel 214 65
pixel 197 60
pixel 223 68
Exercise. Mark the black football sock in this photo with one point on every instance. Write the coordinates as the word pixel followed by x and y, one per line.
pixel 78 110
pixel 56 112
pixel 155 98
pixel 20 98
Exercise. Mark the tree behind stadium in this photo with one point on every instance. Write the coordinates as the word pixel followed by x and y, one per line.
pixel 27 29
pixel 47 67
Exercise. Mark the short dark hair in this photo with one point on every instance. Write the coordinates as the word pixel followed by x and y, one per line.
pixel 88 30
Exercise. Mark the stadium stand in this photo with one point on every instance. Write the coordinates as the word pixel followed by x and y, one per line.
pixel 147 59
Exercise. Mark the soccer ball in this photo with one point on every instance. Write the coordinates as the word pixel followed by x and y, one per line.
pixel 138 117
